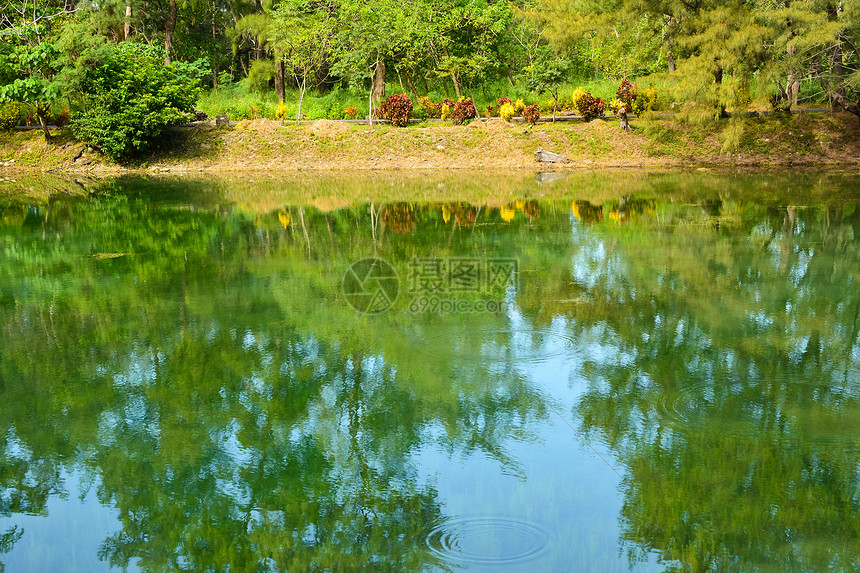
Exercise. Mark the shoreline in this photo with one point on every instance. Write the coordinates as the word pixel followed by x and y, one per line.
pixel 802 140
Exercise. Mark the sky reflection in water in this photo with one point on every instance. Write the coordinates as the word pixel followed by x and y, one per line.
pixel 672 380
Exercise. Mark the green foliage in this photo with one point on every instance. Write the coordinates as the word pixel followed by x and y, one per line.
pixel 251 108
pixel 301 33
pixel 261 74
pixel 428 108
pixel 28 74
pixel 547 75
pixel 646 100
pixel 10 115
pixel 132 98
pixel 396 109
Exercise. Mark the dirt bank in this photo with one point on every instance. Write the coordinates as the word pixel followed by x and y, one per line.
pixel 263 145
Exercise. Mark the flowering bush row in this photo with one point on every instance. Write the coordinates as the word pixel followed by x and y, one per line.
pixel 399 108
pixel 636 100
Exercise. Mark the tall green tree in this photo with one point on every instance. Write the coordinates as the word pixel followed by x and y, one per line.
pixel 28 55
pixel 302 33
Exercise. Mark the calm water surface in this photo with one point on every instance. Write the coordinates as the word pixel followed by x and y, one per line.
pixel 605 372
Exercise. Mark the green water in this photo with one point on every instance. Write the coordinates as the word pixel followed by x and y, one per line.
pixel 669 381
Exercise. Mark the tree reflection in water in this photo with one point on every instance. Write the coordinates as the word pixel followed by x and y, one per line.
pixel 194 357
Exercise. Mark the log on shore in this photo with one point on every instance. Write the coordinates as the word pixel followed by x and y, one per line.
pixel 550 157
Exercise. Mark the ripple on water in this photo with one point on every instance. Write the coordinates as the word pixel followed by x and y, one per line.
pixel 491 541
pixel 486 347
pixel 789 412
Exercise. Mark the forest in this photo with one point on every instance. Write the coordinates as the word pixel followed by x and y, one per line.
pixel 119 72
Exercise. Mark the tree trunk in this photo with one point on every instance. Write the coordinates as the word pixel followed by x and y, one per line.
pixel 377 85
pixel 411 83
pixel 456 85
pixel 169 28
pixel 837 70
pixel 477 113
pixel 126 28
pixel 843 102
pixel 301 97
pixel 279 76
pixel 43 121
pixel 215 64
pixel 670 44
pixel 622 116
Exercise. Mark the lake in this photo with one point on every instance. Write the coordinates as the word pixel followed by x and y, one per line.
pixel 609 371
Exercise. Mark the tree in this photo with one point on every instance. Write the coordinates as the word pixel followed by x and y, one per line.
pixel 132 98
pixel 547 74
pixel 301 31
pixel 28 59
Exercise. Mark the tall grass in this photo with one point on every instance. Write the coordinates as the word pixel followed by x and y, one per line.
pixel 239 101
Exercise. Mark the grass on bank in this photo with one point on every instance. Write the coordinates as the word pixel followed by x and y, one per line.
pixel 239 101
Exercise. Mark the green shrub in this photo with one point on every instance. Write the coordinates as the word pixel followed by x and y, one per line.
pixel 10 115
pixel 132 98
pixel 646 100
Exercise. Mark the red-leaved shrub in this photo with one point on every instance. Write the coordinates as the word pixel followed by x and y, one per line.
pixel 463 110
pixel 591 107
pixel 396 109
pixel 531 113
pixel 627 93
